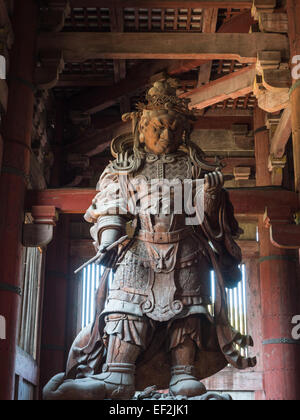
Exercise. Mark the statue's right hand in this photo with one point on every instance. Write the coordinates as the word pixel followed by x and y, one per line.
pixel 59 388
pixel 108 237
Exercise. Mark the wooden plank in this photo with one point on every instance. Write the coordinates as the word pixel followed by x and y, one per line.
pixel 245 201
pixel 84 80
pixel 26 367
pixel 282 134
pixel 183 4
pixel 80 46
pixel 232 86
pixel 210 18
pixel 262 148
pixel 96 100
pixel 217 113
pixel 96 143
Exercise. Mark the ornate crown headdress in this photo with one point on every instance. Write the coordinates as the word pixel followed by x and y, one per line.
pixel 163 96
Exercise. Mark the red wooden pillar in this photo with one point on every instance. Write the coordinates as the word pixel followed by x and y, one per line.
pixel 54 329
pixel 262 148
pixel 280 296
pixel 293 11
pixel 15 169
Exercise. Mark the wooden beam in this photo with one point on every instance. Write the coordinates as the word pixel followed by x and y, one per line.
pixel 138 78
pixel 183 4
pixel 96 100
pixel 218 113
pixel 282 134
pixel 232 86
pixel 81 46
pixel 117 25
pixel 84 80
pixel 96 142
pixel 246 201
pixel 210 18
pixel 262 148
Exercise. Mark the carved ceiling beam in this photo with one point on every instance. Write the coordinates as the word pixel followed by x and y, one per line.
pixel 263 6
pixel 232 86
pixel 194 4
pixel 284 232
pixel 138 77
pixel 268 21
pixel 81 46
pixel 280 128
pixel 210 18
pixel 273 81
pixel 282 134
pixel 52 16
pixel 51 64
pixel 95 141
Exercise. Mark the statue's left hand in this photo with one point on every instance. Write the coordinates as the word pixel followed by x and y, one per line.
pixel 213 182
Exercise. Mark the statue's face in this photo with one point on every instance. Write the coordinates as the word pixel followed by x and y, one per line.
pixel 161 132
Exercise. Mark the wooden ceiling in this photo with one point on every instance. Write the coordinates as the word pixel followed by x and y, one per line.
pixel 104 88
pixel 80 78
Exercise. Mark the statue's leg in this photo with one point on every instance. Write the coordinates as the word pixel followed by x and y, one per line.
pixel 127 335
pixel 185 335
pixel 126 339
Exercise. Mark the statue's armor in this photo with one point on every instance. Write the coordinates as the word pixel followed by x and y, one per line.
pixel 165 274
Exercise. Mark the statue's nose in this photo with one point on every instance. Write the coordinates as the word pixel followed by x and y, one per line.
pixel 167 134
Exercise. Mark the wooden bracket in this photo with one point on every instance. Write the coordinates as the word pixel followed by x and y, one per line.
pixel 51 64
pixel 273 81
pixel 284 233
pixel 52 17
pixel 276 166
pixel 40 232
pixel 241 173
pixel 262 6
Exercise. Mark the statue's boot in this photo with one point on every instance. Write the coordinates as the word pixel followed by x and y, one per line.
pixel 117 380
pixel 184 383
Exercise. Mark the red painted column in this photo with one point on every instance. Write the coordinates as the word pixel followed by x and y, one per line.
pixel 15 168
pixel 54 324
pixel 293 12
pixel 280 296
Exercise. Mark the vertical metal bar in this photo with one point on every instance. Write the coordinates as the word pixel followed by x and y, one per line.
pixel 244 296
pixel 83 298
pixel 88 306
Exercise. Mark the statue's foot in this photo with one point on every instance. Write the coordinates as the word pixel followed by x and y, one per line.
pixel 111 384
pixel 184 383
